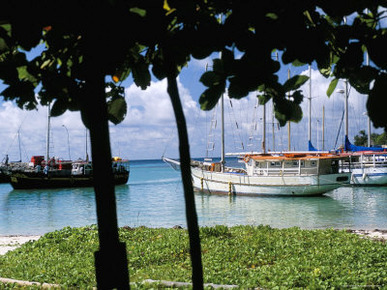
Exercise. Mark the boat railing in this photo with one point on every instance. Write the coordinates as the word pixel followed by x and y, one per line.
pixel 363 164
pixel 235 170
pixel 285 171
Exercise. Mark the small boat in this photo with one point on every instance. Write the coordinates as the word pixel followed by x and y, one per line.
pixel 368 165
pixel 63 174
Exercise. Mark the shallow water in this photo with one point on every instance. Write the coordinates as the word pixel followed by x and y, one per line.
pixel 154 197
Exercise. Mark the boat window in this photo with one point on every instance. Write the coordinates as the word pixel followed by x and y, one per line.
pixel 291 163
pixel 313 163
pixel 275 163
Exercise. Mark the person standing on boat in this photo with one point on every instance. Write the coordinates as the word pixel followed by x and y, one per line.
pixel 46 168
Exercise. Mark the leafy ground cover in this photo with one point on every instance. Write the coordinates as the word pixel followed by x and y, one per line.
pixel 248 256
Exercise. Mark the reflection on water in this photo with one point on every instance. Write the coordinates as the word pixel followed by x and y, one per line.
pixel 154 198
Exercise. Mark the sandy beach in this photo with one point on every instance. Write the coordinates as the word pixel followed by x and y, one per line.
pixel 9 243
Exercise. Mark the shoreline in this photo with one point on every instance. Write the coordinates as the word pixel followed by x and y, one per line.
pixel 12 242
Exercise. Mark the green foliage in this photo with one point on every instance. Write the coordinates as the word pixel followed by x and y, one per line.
pixel 117 107
pixel 247 256
pixel 376 139
pixel 164 35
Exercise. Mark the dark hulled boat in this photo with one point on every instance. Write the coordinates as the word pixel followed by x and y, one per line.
pixel 65 174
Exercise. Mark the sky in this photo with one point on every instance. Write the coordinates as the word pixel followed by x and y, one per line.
pixel 149 129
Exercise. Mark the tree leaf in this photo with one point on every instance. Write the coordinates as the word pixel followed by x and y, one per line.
pixel 297 97
pixel 117 110
pixel 377 50
pixel 332 87
pixel 210 97
pixel 210 79
pixel 295 82
pixel 377 96
pixel 58 108
pixel 263 99
pixel 138 11
pixel 25 75
pixel 141 74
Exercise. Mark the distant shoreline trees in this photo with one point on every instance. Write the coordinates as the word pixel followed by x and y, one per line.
pixel 376 139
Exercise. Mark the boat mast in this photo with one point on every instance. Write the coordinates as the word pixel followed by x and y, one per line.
pixel 264 130
pixel 222 153
pixel 310 107
pixel 346 108
pixel 323 127
pixel 222 161
pixel 288 121
pixel 346 100
pixel 48 133
pixel 273 113
pixel 18 139
pixel 87 154
pixel 369 120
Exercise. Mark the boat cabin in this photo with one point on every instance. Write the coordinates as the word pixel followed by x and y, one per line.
pixel 81 168
pixel 266 165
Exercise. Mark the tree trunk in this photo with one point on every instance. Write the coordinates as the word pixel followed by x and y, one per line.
pixel 110 261
pixel 185 165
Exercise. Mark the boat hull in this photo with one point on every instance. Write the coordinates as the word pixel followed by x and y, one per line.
pixel 369 176
pixel 242 184
pixel 38 181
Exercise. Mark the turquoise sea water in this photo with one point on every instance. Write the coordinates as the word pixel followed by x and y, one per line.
pixel 154 197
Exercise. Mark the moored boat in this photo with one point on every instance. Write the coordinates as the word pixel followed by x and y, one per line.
pixel 62 174
pixel 367 165
pixel 269 174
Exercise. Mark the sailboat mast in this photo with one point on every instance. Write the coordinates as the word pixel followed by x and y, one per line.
pixel 48 133
pixel 346 100
pixel 264 130
pixel 222 153
pixel 323 128
pixel 18 139
pixel 273 113
pixel 310 107
pixel 369 120
pixel 289 121
pixel 346 108
pixel 222 157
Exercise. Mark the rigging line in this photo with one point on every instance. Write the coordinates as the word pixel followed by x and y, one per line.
pixel 338 132
pixel 232 112
pixel 17 134
pixel 211 134
pixel 254 126
pixel 169 141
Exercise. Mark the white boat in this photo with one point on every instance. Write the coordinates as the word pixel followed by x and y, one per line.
pixel 274 174
pixel 268 174
pixel 367 168
pixel 368 165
